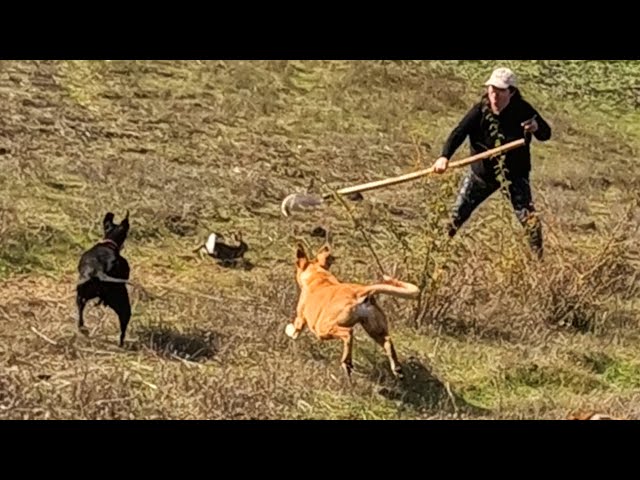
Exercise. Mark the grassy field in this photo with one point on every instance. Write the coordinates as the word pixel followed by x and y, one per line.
pixel 194 147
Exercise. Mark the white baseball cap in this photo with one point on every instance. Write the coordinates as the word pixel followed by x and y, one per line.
pixel 502 78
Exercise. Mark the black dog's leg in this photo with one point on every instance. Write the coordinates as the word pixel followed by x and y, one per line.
pixel 81 302
pixel 119 301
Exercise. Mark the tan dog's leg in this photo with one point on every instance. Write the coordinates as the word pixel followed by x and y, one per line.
pixel 377 328
pixel 346 362
pixel 293 329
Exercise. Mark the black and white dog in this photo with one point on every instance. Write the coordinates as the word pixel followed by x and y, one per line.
pixel 225 254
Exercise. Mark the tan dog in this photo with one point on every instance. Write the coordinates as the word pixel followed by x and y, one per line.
pixel 331 309
pixel 590 415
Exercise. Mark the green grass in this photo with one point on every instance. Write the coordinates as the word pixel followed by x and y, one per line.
pixel 623 375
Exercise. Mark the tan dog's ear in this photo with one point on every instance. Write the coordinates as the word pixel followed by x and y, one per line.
pixel 324 256
pixel 326 248
pixel 301 257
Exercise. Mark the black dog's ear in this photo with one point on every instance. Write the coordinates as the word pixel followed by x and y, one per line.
pixel 125 221
pixel 107 222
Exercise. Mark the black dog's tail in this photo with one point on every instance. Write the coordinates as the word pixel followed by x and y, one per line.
pixel 103 277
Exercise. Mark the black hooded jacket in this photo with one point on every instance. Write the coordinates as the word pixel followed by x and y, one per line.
pixel 476 125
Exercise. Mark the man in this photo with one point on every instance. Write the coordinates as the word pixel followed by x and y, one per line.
pixel 501 116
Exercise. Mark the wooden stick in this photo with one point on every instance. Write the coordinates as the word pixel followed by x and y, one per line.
pixel 421 173
pixel 297 201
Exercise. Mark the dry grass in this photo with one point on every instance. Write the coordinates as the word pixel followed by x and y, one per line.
pixel 195 147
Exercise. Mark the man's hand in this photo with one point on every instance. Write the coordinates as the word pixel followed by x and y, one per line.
pixel 530 125
pixel 441 165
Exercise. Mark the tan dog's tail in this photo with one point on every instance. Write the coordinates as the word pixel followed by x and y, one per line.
pixel 392 286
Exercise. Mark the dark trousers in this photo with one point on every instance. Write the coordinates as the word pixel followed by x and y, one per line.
pixel 474 190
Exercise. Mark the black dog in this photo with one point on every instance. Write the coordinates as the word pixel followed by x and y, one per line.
pixel 104 274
